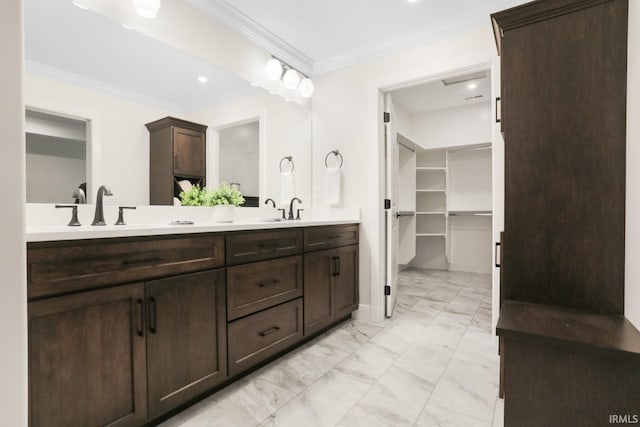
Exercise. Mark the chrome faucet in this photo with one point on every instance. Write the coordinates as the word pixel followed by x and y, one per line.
pixel 98 218
pixel 291 207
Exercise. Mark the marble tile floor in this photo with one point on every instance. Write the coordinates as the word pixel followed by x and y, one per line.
pixel 434 363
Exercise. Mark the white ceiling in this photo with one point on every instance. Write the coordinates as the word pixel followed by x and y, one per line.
pixel 329 34
pixel 436 95
pixel 68 43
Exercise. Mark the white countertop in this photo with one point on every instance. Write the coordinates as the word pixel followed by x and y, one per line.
pixel 156 221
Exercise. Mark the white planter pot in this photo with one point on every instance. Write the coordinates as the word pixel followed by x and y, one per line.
pixel 224 213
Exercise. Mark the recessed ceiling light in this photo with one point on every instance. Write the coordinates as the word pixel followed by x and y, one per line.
pixel 471 86
pixel 203 79
pixel 81 6
pixel 413 1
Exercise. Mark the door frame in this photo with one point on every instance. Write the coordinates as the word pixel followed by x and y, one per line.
pixel 377 89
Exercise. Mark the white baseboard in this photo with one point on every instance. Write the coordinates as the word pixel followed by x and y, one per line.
pixel 362 313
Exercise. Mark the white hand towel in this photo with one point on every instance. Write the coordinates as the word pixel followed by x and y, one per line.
pixel 287 190
pixel 333 186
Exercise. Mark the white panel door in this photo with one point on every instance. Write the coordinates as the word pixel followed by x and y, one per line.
pixel 391 214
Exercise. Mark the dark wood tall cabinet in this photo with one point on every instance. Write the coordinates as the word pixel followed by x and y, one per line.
pixel 563 116
pixel 177 152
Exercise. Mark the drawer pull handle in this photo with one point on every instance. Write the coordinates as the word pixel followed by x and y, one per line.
pixel 269 331
pixel 268 283
pixel 152 316
pixel 270 244
pixel 148 260
pixel 334 236
pixel 140 318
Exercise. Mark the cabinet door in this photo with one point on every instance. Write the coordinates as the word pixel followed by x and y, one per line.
pixel 188 152
pixel 186 338
pixel 346 280
pixel 87 359
pixel 318 297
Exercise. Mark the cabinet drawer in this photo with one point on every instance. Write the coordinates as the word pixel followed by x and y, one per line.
pixel 255 338
pixel 61 267
pixel 243 247
pixel 330 237
pixel 259 285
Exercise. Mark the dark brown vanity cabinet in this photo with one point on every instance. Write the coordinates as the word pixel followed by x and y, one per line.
pixel 330 281
pixel 264 295
pixel 88 348
pixel 186 338
pixel 122 331
pixel 177 151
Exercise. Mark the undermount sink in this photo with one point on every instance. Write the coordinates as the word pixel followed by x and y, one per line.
pixel 271 220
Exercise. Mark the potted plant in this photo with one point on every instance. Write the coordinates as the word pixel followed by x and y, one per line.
pixel 224 199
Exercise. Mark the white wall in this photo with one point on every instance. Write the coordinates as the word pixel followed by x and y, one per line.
pixel 632 273
pixel 52 179
pixel 13 304
pixel 285 130
pixel 238 157
pixel 347 106
pixel 454 126
pixel 119 146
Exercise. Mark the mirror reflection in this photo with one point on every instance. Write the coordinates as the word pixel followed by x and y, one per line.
pixel 84 69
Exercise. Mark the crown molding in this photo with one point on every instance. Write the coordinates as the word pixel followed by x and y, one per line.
pixel 224 12
pixel 41 70
pixel 57 74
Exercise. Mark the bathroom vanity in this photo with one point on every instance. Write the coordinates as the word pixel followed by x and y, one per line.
pixel 125 330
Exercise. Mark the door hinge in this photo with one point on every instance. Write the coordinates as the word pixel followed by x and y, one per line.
pixel 387 203
pixel 386 117
pixel 387 290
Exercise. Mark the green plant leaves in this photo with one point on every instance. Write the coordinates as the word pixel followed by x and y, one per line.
pixel 223 195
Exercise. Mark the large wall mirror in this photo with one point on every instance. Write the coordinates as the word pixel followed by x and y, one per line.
pixel 90 86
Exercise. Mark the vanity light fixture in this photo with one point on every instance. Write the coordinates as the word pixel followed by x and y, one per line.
pixel 274 69
pixel 147 8
pixel 306 88
pixel 203 79
pixel 291 77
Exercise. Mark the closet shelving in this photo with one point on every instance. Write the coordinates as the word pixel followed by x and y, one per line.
pixel 431 188
pixel 406 199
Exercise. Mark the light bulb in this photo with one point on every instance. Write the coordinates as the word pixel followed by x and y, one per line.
pixel 273 69
pixel 306 88
pixel 147 8
pixel 291 79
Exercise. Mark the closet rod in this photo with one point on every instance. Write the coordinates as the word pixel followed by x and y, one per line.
pixel 413 150
pixel 477 147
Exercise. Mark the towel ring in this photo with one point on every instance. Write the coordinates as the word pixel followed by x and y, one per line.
pixel 335 153
pixel 290 158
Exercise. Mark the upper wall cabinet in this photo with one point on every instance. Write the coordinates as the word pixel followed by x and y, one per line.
pixel 177 152
pixel 564 80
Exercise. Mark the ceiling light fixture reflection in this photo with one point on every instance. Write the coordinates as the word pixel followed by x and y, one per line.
pixel 147 8
pixel 203 79
pixel 472 86
pixel 80 5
